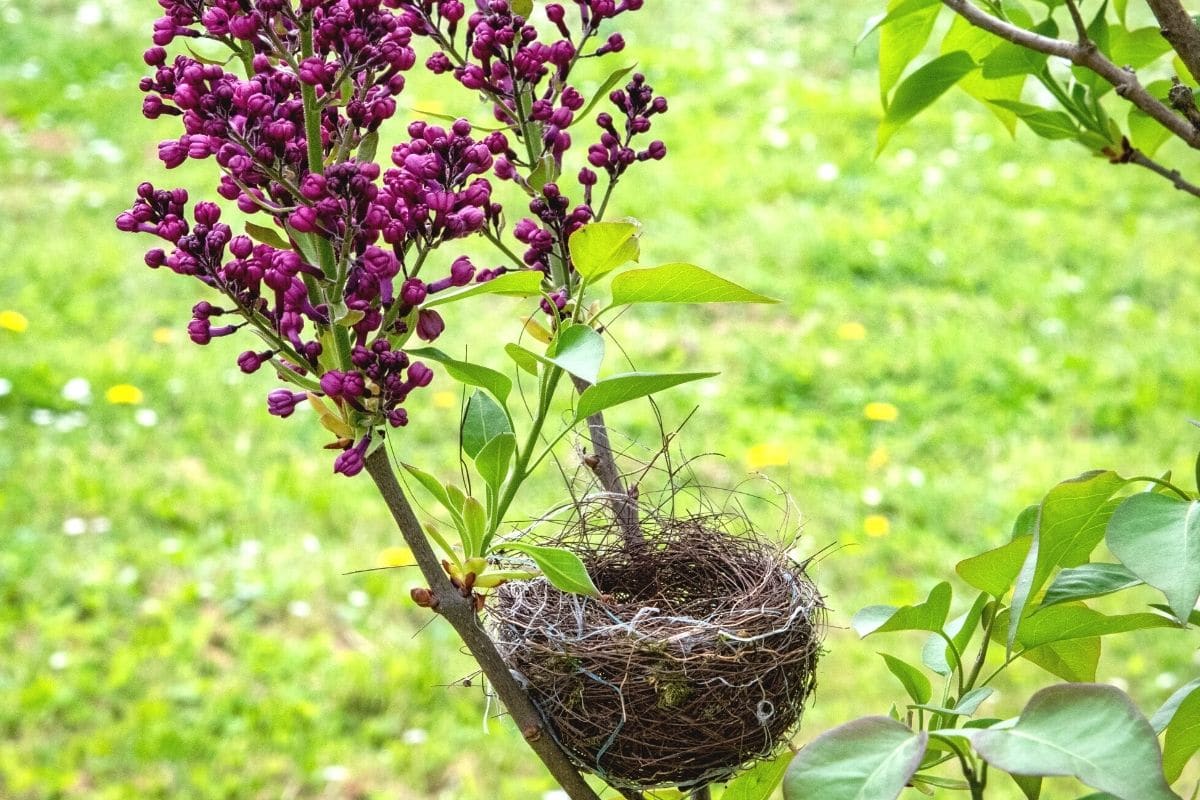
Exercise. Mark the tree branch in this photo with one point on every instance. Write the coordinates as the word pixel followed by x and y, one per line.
pixel 1143 160
pixel 1080 25
pixel 460 612
pixel 1180 31
pixel 623 505
pixel 1085 55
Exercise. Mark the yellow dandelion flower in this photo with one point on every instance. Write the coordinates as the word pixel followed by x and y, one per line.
pixel 876 525
pixel 445 399
pixel 852 331
pixel 881 412
pixel 13 321
pixel 879 458
pixel 396 557
pixel 768 454
pixel 124 394
pixel 163 335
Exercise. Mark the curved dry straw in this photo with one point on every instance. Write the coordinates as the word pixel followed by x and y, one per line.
pixel 699 658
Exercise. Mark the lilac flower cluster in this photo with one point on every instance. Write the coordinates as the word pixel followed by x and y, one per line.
pixel 333 284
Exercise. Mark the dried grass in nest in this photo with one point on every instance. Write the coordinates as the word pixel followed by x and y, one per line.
pixel 698 660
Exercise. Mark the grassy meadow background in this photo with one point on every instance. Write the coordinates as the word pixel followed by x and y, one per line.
pixel 966 320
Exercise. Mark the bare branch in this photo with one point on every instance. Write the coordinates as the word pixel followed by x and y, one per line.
pixel 461 613
pixel 1124 81
pixel 1177 180
pixel 1178 28
pixel 1080 26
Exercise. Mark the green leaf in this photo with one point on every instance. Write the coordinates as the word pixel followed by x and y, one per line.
pixel 561 567
pixel 936 653
pixel 431 485
pixel 630 386
pixel 499 384
pixel 1145 132
pixel 1193 618
pixel 979 44
pixel 522 358
pixel 495 458
pixel 995 571
pixel 612 80
pixel 970 702
pixel 872 757
pixel 475 520
pixel 1158 538
pixel 1044 122
pixel 1137 48
pixel 927 616
pixel 1070 659
pixel 1087 581
pixel 1030 785
pixel 920 89
pixel 522 7
pixel 895 11
pixel 901 40
pixel 1076 621
pixel 1183 736
pixel 912 679
pixel 600 247
pixel 1070 524
pixel 923 778
pixel 1008 60
pixel 1089 731
pixel 759 782
pixel 268 236
pixel 306 243
pixel 679 283
pixel 367 147
pixel 522 283
pixel 579 350
pixel 1119 6
pixel 483 421
pixel 1162 718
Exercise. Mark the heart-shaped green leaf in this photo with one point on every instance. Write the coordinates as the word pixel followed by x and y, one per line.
pixel 872 757
pixel 600 247
pixel 622 388
pixel 484 420
pixel 759 782
pixel 495 382
pixel 561 567
pixel 1183 736
pixel 927 616
pixel 679 283
pixel 1158 538
pixel 1090 731
pixel 912 679
pixel 522 283
pixel 1087 581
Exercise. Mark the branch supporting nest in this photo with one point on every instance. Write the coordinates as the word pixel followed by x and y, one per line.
pixel 698 659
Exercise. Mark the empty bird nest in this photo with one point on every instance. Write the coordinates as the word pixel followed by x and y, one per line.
pixel 697 659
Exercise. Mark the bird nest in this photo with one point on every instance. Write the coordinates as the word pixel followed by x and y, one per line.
pixel 698 658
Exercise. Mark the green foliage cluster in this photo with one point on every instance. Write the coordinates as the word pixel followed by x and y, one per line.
pixel 1082 729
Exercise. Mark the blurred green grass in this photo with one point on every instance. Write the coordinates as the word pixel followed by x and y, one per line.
pixel 173 604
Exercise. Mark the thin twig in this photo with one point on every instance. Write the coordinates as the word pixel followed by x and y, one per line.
pixel 1180 31
pixel 460 612
pixel 1124 81
pixel 1080 25
pixel 1177 180
pixel 604 465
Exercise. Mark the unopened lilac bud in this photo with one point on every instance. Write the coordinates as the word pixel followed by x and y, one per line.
pixel 413 292
pixel 352 461
pixel 251 361
pixel 283 402
pixel 461 271
pixel 419 374
pixel 429 326
pixel 241 246
pixel 587 177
